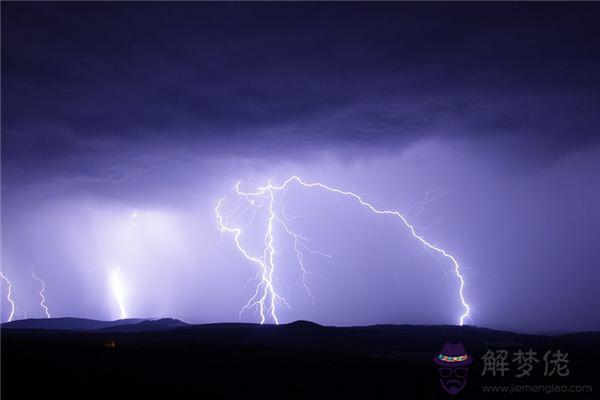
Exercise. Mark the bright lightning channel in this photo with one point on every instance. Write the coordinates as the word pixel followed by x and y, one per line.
pixel 9 297
pixel 265 297
pixel 117 288
pixel 116 282
pixel 41 293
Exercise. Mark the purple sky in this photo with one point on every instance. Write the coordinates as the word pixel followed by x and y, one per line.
pixel 156 110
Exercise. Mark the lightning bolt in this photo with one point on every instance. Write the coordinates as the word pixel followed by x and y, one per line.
pixel 117 288
pixel 116 282
pixel 13 305
pixel 266 297
pixel 41 293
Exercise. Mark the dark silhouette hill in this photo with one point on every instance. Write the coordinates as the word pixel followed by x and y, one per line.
pixel 167 358
pixel 67 323
pixel 149 325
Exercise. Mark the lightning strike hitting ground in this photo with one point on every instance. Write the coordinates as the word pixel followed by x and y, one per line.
pixel 41 293
pixel 117 287
pixel 116 282
pixel 13 305
pixel 265 297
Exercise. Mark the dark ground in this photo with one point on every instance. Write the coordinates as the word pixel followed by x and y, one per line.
pixel 168 359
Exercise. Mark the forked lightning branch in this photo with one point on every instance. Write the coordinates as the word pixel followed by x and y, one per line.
pixel 266 298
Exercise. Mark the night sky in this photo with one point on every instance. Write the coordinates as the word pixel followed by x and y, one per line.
pixel 124 124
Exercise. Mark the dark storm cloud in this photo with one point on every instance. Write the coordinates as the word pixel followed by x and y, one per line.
pixel 78 78
pixel 111 110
